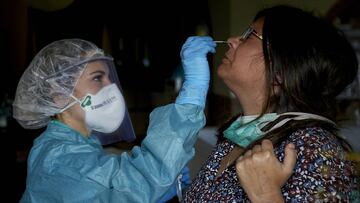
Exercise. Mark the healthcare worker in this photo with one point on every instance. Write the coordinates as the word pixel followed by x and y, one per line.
pixel 71 87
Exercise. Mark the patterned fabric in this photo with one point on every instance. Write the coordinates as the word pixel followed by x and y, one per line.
pixel 321 174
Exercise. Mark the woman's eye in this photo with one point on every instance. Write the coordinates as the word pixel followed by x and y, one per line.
pixel 98 78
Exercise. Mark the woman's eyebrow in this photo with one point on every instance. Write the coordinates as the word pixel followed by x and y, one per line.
pixel 97 71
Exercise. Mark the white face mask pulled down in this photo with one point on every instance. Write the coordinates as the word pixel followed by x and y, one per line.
pixel 104 111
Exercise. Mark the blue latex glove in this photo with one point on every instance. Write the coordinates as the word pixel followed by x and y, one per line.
pixel 172 192
pixel 196 70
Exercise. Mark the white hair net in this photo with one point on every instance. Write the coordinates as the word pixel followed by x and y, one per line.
pixel 53 73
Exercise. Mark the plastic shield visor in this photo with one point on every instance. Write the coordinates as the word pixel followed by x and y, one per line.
pixel 125 131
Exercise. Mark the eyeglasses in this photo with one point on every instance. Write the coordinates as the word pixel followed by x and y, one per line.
pixel 245 35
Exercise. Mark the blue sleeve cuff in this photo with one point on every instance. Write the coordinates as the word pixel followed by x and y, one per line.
pixel 191 94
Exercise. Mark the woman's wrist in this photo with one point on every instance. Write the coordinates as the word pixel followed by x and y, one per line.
pixel 269 197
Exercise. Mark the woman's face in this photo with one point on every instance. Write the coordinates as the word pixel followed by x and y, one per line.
pixel 93 79
pixel 243 66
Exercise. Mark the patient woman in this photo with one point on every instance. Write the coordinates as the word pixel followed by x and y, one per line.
pixel 286 71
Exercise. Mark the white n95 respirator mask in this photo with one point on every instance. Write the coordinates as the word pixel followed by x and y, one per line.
pixel 105 110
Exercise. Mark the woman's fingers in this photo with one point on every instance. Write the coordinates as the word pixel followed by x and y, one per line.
pixel 248 153
pixel 290 158
pixel 256 148
pixel 267 145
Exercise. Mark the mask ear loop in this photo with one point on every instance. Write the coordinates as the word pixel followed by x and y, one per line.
pixel 299 116
pixel 70 104
pixel 72 96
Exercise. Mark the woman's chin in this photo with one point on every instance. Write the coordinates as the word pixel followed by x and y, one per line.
pixel 221 70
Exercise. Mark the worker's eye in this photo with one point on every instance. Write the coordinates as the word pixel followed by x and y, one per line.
pixel 98 77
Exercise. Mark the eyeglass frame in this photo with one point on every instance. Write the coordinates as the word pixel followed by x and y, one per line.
pixel 249 31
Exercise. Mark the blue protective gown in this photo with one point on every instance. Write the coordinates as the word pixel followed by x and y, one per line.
pixel 64 166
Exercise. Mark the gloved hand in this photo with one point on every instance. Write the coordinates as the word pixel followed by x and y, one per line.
pixel 185 182
pixel 196 70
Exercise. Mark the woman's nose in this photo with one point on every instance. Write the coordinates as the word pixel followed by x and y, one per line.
pixel 233 42
pixel 107 81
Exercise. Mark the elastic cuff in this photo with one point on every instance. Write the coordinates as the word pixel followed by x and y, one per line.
pixel 192 95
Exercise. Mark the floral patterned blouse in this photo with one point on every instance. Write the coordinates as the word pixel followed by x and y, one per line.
pixel 321 174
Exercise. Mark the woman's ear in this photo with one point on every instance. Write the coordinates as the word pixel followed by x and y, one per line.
pixel 278 80
pixel 276 84
pixel 60 100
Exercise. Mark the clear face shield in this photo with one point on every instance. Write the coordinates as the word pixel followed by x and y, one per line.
pixel 106 114
pixel 125 131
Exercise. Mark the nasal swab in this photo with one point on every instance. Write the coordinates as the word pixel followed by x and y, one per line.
pixel 221 42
